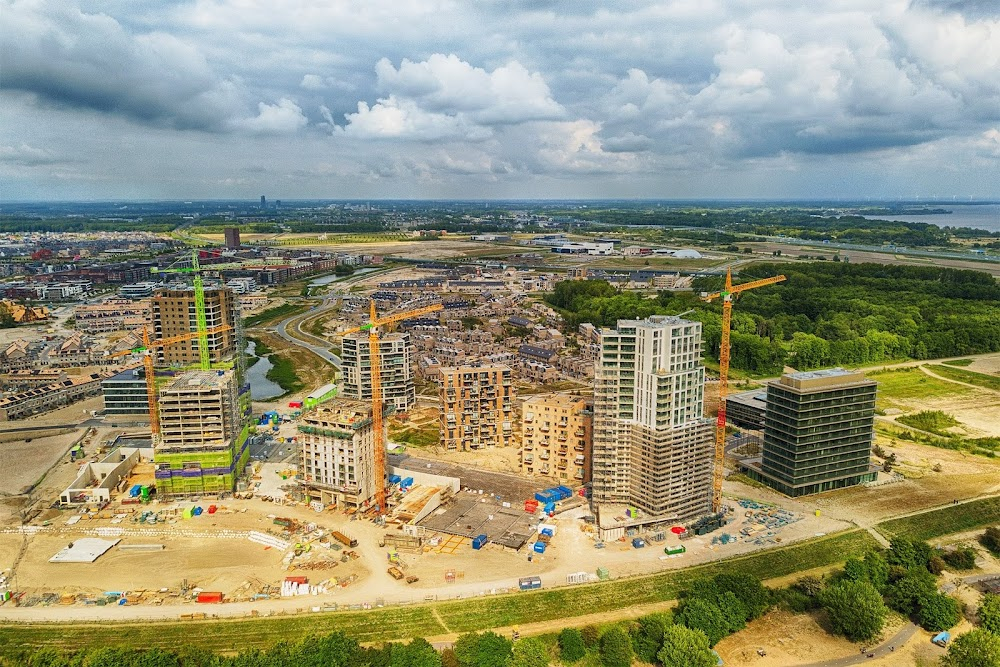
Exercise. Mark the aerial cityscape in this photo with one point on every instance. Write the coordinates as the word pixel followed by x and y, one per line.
pixel 505 335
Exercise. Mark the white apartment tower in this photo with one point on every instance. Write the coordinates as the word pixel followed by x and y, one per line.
pixel 653 447
pixel 395 351
pixel 337 454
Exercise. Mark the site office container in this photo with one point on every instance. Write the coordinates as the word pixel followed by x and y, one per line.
pixel 344 539
pixel 529 583
pixel 540 547
pixel 479 541
pixel 297 580
pixel 209 597
pixel 673 551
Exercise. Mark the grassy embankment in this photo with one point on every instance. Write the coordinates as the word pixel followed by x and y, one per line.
pixel 969 377
pixel 440 618
pixel 274 314
pixel 945 521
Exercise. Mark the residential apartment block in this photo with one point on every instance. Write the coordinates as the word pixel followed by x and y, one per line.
pixel 395 355
pixel 112 315
pixel 556 437
pixel 818 431
pixel 653 447
pixel 476 407
pixel 337 454
pixel 174 315
pixel 125 393
pixel 203 436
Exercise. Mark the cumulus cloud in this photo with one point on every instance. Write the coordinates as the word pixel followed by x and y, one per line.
pixel 281 118
pixel 507 91
pixel 445 97
pixel 75 59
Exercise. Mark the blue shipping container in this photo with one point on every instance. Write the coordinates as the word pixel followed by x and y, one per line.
pixel 540 547
pixel 547 531
pixel 478 541
pixel 135 490
pixel 566 491
pixel 543 497
pixel 407 482
pixel 394 479
pixel 550 507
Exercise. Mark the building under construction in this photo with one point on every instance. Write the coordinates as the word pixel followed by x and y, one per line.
pixel 174 314
pixel 395 351
pixel 653 447
pixel 337 454
pixel 476 407
pixel 203 444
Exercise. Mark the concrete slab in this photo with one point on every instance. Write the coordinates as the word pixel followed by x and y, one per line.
pixel 83 550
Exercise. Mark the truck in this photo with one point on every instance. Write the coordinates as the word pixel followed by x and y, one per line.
pixel 395 573
pixel 344 539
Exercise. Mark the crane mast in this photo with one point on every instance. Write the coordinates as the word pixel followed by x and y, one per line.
pixel 374 356
pixel 728 294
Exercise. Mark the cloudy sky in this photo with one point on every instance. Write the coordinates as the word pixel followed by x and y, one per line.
pixel 182 99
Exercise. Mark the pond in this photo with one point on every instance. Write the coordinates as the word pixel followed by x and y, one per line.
pixel 261 389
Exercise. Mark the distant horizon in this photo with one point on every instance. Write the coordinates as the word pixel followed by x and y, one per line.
pixel 672 200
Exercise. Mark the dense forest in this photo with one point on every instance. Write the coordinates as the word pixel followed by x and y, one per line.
pixel 825 314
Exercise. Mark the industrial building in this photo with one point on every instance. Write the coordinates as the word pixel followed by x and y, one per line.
pixel 476 407
pixel 556 437
pixel 203 436
pixel 653 447
pixel 174 315
pixel 337 454
pixel 395 354
pixel 818 431
pixel 125 393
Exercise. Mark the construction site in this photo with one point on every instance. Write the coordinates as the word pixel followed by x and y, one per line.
pixel 229 507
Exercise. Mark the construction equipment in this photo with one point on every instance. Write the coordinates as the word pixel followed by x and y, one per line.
pixel 371 326
pixel 728 295
pixel 198 269
pixel 146 351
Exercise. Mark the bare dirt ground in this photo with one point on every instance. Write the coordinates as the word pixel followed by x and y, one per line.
pixel 962 476
pixel 789 639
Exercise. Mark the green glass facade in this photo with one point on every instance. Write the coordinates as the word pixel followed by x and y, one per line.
pixel 818 430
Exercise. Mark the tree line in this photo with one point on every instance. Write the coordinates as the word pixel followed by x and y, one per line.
pixel 825 314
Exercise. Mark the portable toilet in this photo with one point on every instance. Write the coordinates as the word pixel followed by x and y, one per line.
pixel 187 513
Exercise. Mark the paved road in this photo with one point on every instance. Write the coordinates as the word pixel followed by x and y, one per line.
pixel 880 651
pixel 319 346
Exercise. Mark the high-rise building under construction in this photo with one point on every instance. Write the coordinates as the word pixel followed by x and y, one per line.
pixel 653 446
pixel 203 434
pixel 174 314
pixel 395 352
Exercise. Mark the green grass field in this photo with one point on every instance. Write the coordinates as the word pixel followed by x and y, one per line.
pixel 944 521
pixel 959 362
pixel 274 314
pixel 991 382
pixel 904 383
pixel 441 618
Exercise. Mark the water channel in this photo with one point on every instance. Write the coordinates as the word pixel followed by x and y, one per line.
pixel 261 389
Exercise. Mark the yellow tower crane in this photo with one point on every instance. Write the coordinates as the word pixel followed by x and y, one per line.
pixel 371 326
pixel 728 294
pixel 146 350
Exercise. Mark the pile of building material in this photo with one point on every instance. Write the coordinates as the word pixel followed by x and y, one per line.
pixel 83 550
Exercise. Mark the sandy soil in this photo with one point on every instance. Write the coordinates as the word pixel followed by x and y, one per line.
pixel 788 639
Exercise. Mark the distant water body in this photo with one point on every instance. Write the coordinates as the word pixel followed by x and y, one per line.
pixel 986 216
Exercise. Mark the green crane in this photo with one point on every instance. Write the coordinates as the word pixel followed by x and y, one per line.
pixel 199 307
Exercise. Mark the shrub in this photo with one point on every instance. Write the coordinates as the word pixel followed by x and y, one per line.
pixel 978 648
pixel 683 647
pixel 647 637
pixel 616 648
pixel 591 635
pixel 571 646
pixel 991 540
pixel 961 559
pixel 938 612
pixel 989 613
pixel 856 609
